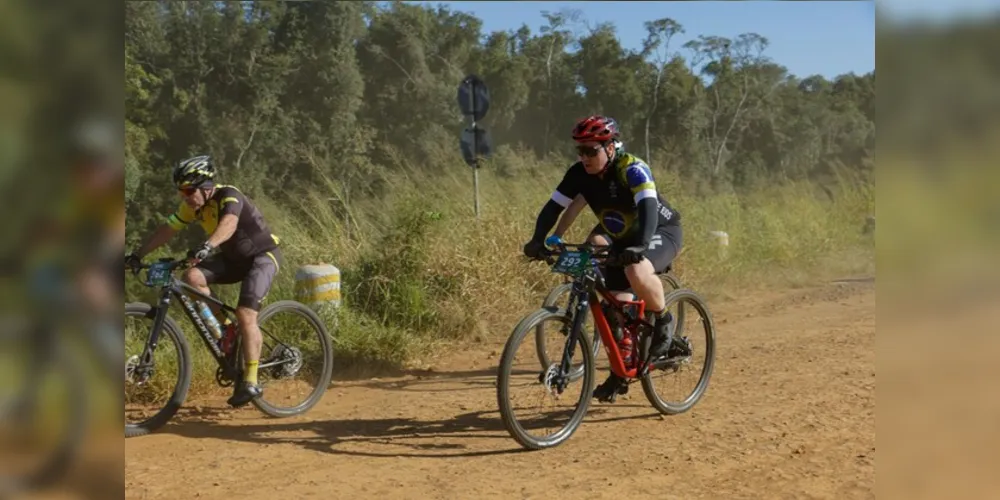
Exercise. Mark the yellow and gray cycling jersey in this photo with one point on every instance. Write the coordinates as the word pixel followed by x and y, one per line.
pixel 252 236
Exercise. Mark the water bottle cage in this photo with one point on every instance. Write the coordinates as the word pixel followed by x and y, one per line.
pixel 228 340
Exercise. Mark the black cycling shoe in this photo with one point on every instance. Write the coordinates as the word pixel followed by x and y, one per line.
pixel 244 393
pixel 680 347
pixel 662 331
pixel 610 389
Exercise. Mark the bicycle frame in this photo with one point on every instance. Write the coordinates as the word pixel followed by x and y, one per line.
pixel 587 290
pixel 180 290
pixel 610 344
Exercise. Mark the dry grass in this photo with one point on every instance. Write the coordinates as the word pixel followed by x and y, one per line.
pixel 419 271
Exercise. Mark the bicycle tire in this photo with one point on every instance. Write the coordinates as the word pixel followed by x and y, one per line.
pixel 325 343
pixel 514 428
pixel 665 407
pixel 185 369
pixel 679 318
pixel 540 344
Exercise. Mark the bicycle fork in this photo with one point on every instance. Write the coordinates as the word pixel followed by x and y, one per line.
pixel 142 368
pixel 579 313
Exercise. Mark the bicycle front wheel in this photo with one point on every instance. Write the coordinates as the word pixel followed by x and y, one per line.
pixel 155 387
pixel 296 362
pixel 537 406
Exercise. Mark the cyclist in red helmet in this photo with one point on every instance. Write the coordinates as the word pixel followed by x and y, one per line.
pixel 634 219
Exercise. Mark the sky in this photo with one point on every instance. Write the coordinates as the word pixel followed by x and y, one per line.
pixel 828 38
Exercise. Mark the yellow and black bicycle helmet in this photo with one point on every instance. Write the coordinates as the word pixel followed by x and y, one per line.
pixel 193 172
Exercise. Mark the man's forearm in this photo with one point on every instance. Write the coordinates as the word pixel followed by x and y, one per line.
pixel 156 240
pixel 546 219
pixel 226 229
pixel 569 215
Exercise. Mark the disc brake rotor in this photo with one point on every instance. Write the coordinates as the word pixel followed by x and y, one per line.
pixel 550 380
pixel 131 371
pixel 290 359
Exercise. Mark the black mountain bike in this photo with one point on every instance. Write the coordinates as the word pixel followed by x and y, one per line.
pixel 294 372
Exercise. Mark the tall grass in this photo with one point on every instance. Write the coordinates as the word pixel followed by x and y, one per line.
pixel 426 273
pixel 421 274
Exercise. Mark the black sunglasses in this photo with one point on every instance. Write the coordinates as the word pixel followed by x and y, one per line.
pixel 589 151
pixel 188 190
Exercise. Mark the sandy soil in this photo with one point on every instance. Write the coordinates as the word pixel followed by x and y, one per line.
pixel 790 413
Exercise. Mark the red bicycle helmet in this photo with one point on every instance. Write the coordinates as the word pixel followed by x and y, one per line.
pixel 595 128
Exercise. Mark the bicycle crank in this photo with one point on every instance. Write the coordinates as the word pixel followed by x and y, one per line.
pixel 224 377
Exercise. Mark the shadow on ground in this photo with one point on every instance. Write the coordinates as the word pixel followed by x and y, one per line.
pixel 401 437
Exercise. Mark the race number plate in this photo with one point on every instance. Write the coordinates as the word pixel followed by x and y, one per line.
pixel 158 274
pixel 572 263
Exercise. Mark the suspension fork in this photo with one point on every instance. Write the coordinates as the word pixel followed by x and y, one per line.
pixel 159 315
pixel 580 297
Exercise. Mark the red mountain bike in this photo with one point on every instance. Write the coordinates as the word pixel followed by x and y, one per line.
pixel 560 296
pixel 588 288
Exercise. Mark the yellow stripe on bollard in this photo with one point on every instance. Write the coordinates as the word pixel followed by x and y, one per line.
pixel 317 285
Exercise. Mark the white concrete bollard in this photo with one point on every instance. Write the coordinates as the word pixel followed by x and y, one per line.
pixel 722 238
pixel 318 285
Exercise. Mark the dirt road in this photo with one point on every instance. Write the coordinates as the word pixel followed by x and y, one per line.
pixel 790 413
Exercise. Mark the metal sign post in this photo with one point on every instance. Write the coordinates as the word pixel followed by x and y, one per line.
pixel 474 101
pixel 475 156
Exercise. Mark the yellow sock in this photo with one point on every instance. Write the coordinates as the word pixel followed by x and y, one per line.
pixel 251 375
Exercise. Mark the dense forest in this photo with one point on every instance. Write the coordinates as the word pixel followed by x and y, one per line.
pixel 284 94
pixel 320 108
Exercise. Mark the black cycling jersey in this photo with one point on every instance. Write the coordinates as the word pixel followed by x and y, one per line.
pixel 615 196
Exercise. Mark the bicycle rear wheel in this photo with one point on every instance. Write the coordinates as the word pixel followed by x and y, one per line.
pixel 296 362
pixel 673 371
pixel 517 372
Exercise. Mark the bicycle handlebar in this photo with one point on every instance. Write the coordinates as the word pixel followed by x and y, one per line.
pixel 601 253
pixel 173 264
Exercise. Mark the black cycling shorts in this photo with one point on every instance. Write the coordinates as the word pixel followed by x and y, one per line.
pixel 256 274
pixel 662 250
pixel 599 231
